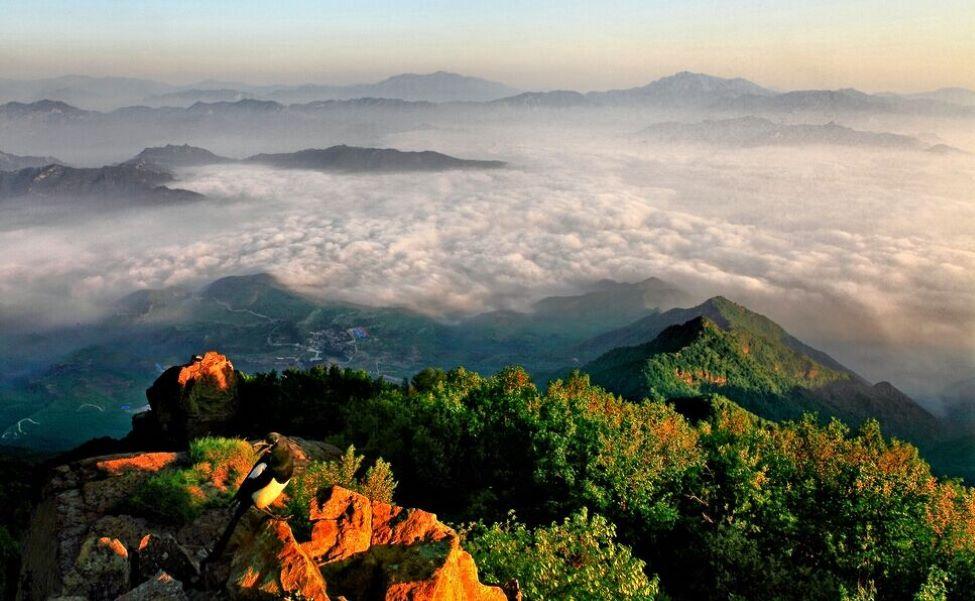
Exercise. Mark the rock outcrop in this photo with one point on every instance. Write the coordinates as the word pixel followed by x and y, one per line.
pixel 188 401
pixel 83 543
pixel 272 565
pixel 137 525
pixel 161 587
pixel 371 550
pixel 79 542
pixel 101 570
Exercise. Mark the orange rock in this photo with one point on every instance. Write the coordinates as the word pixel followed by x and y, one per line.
pixel 455 580
pixel 341 525
pixel 363 549
pixel 274 566
pixel 191 400
pixel 114 545
pixel 396 526
pixel 402 554
pixel 214 368
pixel 143 462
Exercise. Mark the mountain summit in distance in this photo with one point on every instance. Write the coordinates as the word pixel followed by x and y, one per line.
pixel 440 86
pixel 685 87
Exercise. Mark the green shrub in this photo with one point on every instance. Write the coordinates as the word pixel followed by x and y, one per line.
pixel 576 560
pixel 170 495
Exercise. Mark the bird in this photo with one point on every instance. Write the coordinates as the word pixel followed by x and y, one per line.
pixel 263 485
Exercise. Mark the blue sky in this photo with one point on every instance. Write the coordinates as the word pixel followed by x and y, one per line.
pixel 874 45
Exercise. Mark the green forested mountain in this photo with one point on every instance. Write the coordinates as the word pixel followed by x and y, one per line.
pixel 726 348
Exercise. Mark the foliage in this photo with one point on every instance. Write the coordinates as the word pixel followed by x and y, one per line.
pixel 721 504
pixel 303 403
pixel 935 587
pixel 9 563
pixel 575 560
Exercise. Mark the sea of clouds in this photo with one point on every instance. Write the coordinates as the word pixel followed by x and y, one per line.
pixel 866 253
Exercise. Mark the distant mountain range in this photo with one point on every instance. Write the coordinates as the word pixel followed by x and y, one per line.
pixel 962 96
pixel 757 131
pixel 106 93
pixel 684 89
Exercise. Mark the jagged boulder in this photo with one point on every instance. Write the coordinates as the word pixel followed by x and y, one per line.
pixel 163 553
pixel 101 570
pixel 272 565
pixel 368 549
pixel 341 526
pixel 161 587
pixel 188 401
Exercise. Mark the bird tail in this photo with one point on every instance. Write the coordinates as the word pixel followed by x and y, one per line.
pixel 239 509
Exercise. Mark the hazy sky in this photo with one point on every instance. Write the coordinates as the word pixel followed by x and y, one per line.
pixel 870 44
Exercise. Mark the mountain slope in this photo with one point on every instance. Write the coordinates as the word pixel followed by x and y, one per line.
pixel 724 348
pixel 61 183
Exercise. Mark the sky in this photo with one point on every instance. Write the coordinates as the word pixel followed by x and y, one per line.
pixel 874 45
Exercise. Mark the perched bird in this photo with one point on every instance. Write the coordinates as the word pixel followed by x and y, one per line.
pixel 262 486
pixel 269 476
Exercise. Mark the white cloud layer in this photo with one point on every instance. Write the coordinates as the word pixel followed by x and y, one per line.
pixel 865 253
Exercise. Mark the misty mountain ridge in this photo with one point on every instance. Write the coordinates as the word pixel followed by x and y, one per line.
pixel 111 183
pixel 45 108
pixel 357 159
pixel 683 89
pixel 757 131
pixel 107 93
pixel 951 95
pixel 334 158
pixel 13 162
pixel 269 326
pixel 173 156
